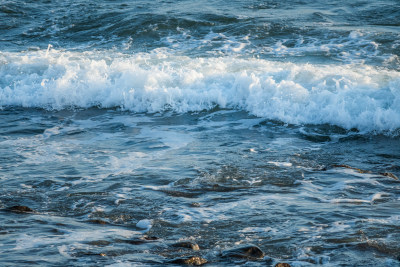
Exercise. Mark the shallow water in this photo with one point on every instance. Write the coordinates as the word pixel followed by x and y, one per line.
pixel 130 126
pixel 219 178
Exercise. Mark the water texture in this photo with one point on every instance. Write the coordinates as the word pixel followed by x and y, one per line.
pixel 127 127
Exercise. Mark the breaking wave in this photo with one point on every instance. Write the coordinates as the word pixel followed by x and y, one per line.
pixel 351 96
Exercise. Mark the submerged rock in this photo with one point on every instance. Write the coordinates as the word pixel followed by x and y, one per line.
pixel 244 252
pixel 349 167
pixel 186 244
pixel 100 243
pixel 222 188
pixel 280 264
pixel 19 209
pixel 138 241
pixel 150 238
pixel 191 260
pixel 88 253
pixel 97 221
pixel 382 247
pixel 181 193
pixel 389 174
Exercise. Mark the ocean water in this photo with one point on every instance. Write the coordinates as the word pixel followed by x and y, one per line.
pixel 129 126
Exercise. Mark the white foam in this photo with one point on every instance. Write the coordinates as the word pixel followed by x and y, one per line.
pixel 221 211
pixel 356 173
pixel 27 241
pixel 127 162
pixel 281 164
pixel 338 187
pixel 183 215
pixel 377 196
pixel 144 224
pixel 168 137
pixel 369 200
pixel 63 250
pixel 360 96
pixel 119 263
pixel 357 47
pixel 258 230
pixel 51 131
pixel 392 220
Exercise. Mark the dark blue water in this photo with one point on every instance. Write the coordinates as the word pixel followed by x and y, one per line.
pixel 127 127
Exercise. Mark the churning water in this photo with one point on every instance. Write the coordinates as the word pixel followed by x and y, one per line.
pixel 127 127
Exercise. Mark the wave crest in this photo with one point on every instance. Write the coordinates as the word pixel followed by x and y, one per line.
pixel 350 96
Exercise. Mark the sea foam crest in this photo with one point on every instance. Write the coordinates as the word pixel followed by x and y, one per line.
pixel 360 96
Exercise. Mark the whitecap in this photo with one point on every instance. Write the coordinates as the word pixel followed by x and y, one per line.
pixel 350 96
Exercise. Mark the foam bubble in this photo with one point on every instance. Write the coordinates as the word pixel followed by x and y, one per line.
pixel 144 224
